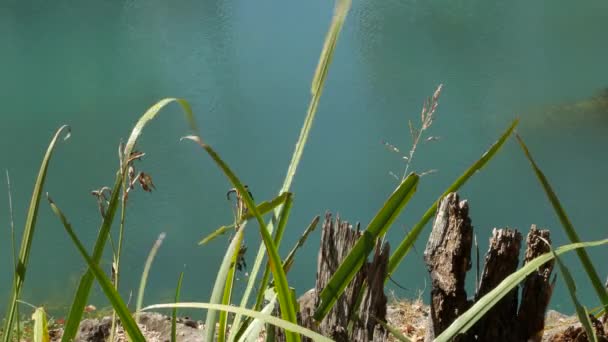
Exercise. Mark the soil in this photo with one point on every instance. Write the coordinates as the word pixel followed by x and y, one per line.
pixel 410 317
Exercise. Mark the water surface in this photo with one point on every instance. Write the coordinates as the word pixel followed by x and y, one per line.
pixel 246 69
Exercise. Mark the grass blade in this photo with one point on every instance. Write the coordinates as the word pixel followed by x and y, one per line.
pixel 13 249
pixel 119 306
pixel 263 208
pixel 568 227
pixel 229 281
pixel 289 326
pixel 220 231
pixel 581 312
pixel 252 333
pixel 220 281
pixel 144 276
pixel 174 311
pixel 41 328
pixel 28 232
pixel 365 244
pixel 286 302
pixel 407 243
pixel 341 10
pixel 86 281
pixel 471 316
pixel 291 256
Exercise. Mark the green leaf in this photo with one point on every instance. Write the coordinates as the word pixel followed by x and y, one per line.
pixel 28 233
pixel 174 311
pixel 118 304
pixel 568 227
pixel 289 326
pixel 287 304
pixel 41 329
pixel 581 312
pixel 407 243
pixel 365 244
pixel 484 304
pixel 86 282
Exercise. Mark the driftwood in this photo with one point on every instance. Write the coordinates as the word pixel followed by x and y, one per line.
pixel 337 239
pixel 447 256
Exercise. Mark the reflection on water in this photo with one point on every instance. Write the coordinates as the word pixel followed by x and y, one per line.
pixel 246 68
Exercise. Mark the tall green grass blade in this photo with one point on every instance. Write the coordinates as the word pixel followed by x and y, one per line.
pixel 147 265
pixel 581 312
pixel 568 227
pixel 281 323
pixel 41 328
pixel 471 316
pixel 86 281
pixel 365 244
pixel 174 311
pixel 288 306
pixel 220 282
pixel 28 233
pixel 341 10
pixel 406 244
pixel 119 306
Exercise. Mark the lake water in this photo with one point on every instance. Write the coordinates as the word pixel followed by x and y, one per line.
pixel 246 69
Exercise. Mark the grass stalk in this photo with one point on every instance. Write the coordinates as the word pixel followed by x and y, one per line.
pixel 13 249
pixel 406 244
pixel 174 311
pixel 341 10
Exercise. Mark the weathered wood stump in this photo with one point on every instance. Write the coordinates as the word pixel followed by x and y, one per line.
pixel 337 239
pixel 448 259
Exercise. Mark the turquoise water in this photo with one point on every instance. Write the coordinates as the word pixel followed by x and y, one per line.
pixel 246 69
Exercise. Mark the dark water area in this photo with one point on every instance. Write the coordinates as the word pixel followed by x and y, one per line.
pixel 246 69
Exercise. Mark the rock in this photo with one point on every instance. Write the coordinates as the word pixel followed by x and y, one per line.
pixel 94 330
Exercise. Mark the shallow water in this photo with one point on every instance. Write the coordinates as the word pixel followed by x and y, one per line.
pixel 246 68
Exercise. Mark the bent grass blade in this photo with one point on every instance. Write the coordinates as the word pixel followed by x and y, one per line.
pixel 286 302
pixel 601 291
pixel 86 281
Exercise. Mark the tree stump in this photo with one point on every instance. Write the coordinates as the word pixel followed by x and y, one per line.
pixel 337 239
pixel 448 258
